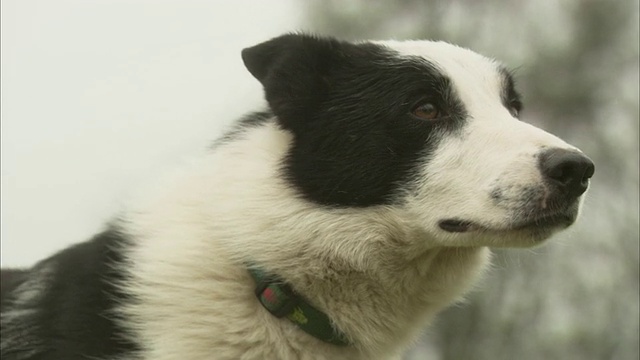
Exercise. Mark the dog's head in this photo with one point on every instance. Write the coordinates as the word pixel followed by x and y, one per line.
pixel 426 127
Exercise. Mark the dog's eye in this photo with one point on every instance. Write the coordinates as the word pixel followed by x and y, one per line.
pixel 426 111
pixel 515 107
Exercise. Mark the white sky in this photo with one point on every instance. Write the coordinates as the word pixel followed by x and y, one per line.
pixel 98 96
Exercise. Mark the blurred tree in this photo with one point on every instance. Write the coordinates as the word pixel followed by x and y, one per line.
pixel 577 64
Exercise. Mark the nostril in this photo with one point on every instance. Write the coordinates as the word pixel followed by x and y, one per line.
pixel 561 172
pixel 569 170
pixel 589 171
pixel 587 174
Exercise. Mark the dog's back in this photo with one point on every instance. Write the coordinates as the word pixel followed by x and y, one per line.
pixel 63 307
pixel 9 280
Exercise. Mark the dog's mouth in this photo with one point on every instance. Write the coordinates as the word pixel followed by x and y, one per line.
pixel 560 220
pixel 456 225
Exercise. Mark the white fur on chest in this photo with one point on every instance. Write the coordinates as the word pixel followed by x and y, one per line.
pixel 379 278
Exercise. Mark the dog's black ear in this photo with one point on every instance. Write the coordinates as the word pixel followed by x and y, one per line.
pixel 259 59
pixel 287 54
pixel 293 70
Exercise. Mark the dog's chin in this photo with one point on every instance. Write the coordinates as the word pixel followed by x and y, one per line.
pixel 514 233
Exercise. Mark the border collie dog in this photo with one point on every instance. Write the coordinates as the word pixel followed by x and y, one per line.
pixel 333 225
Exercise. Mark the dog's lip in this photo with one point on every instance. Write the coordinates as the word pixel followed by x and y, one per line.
pixel 547 221
pixel 457 225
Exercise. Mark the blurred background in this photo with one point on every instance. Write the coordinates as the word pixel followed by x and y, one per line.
pixel 100 96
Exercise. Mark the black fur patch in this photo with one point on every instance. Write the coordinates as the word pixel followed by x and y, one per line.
pixel 511 99
pixel 63 307
pixel 349 106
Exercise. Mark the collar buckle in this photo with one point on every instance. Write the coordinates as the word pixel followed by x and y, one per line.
pixel 279 299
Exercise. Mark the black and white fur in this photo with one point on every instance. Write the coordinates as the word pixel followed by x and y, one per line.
pixel 373 185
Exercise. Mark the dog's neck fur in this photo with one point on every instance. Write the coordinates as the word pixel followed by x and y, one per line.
pixel 370 270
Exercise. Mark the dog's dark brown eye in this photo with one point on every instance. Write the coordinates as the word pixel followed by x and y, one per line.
pixel 426 111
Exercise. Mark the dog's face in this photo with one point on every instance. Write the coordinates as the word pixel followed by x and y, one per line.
pixel 426 128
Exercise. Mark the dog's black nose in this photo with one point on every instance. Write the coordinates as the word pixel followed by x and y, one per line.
pixel 568 170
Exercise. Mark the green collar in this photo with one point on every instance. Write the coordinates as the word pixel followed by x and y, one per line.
pixel 281 301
